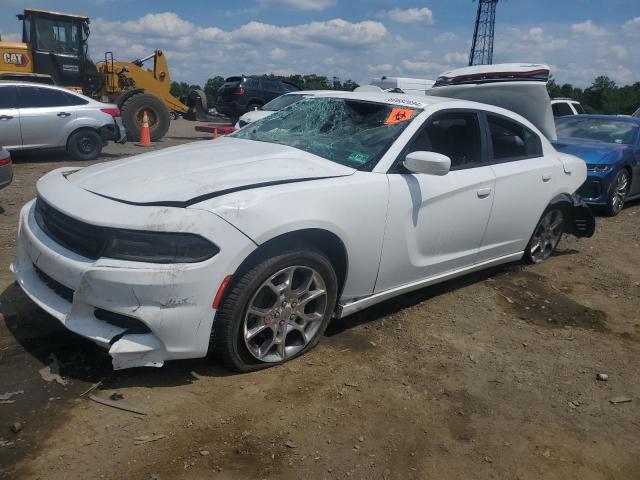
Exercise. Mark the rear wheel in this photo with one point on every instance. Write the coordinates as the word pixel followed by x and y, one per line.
pixel 84 145
pixel 618 193
pixel 546 235
pixel 133 109
pixel 276 311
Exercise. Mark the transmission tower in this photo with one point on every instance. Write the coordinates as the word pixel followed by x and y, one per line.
pixel 482 45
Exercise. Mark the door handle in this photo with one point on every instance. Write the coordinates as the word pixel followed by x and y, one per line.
pixel 484 192
pixel 546 177
pixel 6 117
pixel 64 114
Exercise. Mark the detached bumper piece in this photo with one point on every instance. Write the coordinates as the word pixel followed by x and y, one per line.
pixel 581 222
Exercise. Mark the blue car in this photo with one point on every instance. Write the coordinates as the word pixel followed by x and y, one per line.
pixel 610 145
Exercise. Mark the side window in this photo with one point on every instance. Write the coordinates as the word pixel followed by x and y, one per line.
pixel 561 109
pixel 287 87
pixel 512 141
pixel 34 97
pixel 454 134
pixel 579 108
pixel 8 97
pixel 74 99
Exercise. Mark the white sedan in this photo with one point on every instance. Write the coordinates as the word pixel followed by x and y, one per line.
pixel 246 246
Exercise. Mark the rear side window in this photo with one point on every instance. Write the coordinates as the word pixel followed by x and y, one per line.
pixel 34 97
pixel 74 99
pixel 512 141
pixel 561 109
pixel 287 87
pixel 454 134
pixel 579 108
pixel 8 98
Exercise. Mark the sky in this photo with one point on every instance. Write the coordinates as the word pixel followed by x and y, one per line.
pixel 356 39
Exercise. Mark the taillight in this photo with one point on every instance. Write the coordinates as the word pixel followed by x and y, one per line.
pixel 6 160
pixel 114 112
pixel 240 91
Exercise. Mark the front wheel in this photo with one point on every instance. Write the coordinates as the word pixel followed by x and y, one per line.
pixel 276 311
pixel 546 235
pixel 618 193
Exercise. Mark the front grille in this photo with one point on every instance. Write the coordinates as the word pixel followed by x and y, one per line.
pixel 79 237
pixel 58 288
pixel 590 189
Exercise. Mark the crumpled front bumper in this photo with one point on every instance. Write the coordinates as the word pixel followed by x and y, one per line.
pixel 169 305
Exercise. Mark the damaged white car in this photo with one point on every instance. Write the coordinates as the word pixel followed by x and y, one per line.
pixel 246 246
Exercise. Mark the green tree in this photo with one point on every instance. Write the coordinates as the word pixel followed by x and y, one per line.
pixel 211 89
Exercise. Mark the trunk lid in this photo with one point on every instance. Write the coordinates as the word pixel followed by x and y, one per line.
pixel 521 88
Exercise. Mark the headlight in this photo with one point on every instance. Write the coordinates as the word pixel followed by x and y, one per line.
pixel 598 167
pixel 158 247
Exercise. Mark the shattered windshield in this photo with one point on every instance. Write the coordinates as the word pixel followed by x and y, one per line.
pixel 600 130
pixel 346 131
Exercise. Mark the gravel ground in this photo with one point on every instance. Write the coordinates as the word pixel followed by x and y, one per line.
pixel 488 376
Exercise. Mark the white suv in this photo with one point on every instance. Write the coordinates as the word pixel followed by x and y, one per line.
pixel 566 106
pixel 36 116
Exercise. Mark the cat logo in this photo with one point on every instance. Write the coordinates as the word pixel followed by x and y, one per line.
pixel 17 59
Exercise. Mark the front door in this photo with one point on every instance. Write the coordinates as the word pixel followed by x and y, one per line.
pixel 436 223
pixel 45 115
pixel 9 118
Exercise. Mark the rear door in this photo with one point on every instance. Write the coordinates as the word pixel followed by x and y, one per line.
pixel 526 181
pixel 45 116
pixel 10 136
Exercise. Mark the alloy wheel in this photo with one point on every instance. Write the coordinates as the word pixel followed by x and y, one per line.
pixel 547 235
pixel 619 192
pixel 285 313
pixel 86 144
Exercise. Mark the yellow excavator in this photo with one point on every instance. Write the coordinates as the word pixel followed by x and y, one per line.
pixel 54 50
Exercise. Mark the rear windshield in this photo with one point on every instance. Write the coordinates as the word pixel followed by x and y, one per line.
pixel 355 133
pixel 282 101
pixel 599 130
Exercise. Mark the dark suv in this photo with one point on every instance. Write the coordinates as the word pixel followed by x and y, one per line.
pixel 239 95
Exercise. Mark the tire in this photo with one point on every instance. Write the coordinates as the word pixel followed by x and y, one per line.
pixel 546 236
pixel 618 193
pixel 173 116
pixel 133 110
pixel 84 144
pixel 253 106
pixel 232 340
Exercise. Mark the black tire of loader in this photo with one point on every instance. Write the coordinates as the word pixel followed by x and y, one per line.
pixel 132 110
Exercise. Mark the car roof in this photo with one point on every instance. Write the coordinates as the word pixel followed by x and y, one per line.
pixel 419 101
pixel 19 83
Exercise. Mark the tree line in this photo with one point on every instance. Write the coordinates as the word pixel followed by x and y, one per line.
pixel 306 82
pixel 602 96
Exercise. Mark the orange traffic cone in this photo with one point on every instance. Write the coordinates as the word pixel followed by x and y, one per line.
pixel 215 133
pixel 145 133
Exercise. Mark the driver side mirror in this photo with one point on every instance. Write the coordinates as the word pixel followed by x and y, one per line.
pixel 429 163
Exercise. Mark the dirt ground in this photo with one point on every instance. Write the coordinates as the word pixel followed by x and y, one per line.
pixel 489 376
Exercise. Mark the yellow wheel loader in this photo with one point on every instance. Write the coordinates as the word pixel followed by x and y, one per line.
pixel 54 50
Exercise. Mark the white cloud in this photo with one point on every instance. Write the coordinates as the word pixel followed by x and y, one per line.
pixel 410 15
pixel 632 27
pixel 381 68
pixel 445 37
pixel 314 5
pixel 589 28
pixel 456 58
pixel 277 53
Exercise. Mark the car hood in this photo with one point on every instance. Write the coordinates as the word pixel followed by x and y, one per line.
pixel 255 115
pixel 187 174
pixel 590 152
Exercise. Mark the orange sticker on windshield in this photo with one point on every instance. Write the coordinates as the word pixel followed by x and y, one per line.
pixel 399 115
